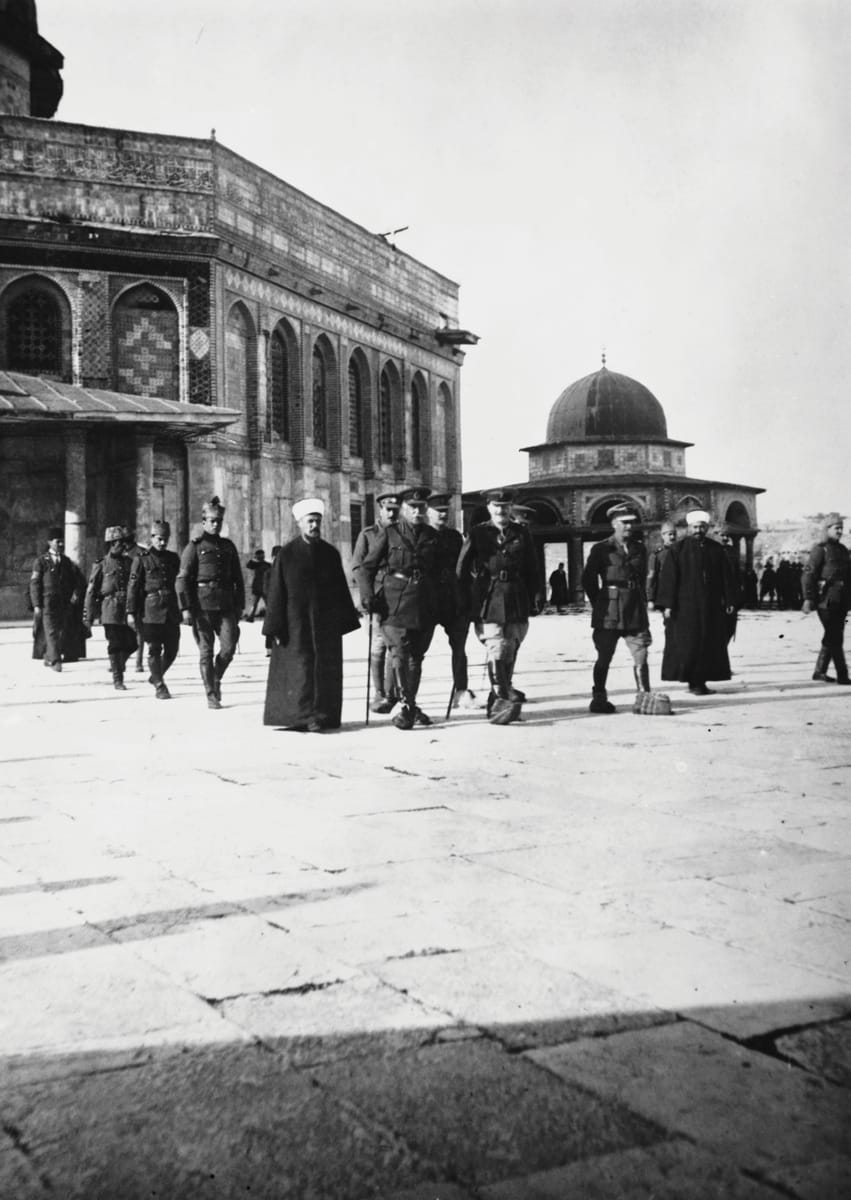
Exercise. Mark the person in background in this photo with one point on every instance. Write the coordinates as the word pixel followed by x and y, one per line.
pixel 826 584
pixel 55 591
pixel 106 600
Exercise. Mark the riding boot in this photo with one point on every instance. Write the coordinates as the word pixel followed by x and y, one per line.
pixel 841 667
pixel 642 678
pixel 218 671
pixel 406 716
pixel 505 708
pixel 155 667
pixel 116 664
pixel 208 675
pixel 822 663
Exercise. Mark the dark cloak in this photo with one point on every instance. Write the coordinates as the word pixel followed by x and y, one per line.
pixel 308 610
pixel 696 583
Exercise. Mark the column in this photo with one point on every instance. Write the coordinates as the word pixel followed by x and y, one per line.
pixel 575 565
pixel 144 482
pixel 75 496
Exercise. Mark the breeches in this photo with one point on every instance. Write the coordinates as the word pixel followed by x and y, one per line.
pixel 606 640
pixel 211 625
pixel 163 642
pixel 120 639
pixel 833 623
pixel 502 641
pixel 407 647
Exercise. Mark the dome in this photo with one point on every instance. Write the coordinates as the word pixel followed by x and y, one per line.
pixel 606 406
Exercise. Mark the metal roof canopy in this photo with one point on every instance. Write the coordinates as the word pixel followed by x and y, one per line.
pixel 29 400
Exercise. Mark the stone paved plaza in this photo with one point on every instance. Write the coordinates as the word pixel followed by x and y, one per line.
pixel 579 957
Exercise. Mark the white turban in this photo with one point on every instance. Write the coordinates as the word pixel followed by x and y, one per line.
pixel 697 515
pixel 303 508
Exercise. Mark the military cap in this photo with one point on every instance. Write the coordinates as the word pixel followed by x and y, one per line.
pixel 161 527
pixel 388 498
pixel 56 531
pixel 667 524
pixel 499 496
pixel 116 533
pixel 623 512
pixel 212 507
pixel 523 511
pixel 833 518
pixel 415 495
pixel 440 500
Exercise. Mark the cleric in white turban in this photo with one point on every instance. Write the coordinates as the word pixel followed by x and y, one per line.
pixel 698 516
pixel 697 590
pixel 308 610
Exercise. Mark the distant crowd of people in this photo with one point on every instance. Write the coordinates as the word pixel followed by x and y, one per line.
pixel 415 573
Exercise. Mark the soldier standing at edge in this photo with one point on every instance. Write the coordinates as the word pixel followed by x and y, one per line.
pixel 211 595
pixel 106 597
pixel 152 601
pixel 497 563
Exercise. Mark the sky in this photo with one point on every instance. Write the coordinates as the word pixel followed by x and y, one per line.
pixel 665 179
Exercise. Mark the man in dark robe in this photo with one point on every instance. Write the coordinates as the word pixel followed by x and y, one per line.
pixel 308 610
pixel 697 592
pixel 56 590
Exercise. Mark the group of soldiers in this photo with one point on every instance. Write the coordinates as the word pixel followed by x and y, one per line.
pixel 414 572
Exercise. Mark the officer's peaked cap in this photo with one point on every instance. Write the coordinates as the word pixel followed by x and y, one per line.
pixel 623 512
pixel 388 497
pixel 212 507
pixel 440 500
pixel 416 495
pixel 499 496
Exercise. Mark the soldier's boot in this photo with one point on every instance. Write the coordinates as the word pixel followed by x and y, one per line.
pixel 841 667
pixel 514 693
pixel 116 664
pixel 822 663
pixel 600 702
pixel 406 716
pixel 208 675
pixel 219 669
pixel 155 668
pixel 505 708
pixel 642 678
pixel 381 702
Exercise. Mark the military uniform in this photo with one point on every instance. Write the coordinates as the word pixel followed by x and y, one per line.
pixel 152 598
pixel 54 592
pixel 826 584
pixel 106 600
pixel 614 581
pixel 453 613
pixel 404 558
pixel 498 573
pixel 382 676
pixel 210 588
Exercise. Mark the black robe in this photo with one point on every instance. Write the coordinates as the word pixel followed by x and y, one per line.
pixel 308 609
pixel 696 583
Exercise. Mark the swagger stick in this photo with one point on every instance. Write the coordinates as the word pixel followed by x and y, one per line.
pixel 451 698
pixel 368 665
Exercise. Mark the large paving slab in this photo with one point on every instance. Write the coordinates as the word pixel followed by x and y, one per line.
pixel 576 956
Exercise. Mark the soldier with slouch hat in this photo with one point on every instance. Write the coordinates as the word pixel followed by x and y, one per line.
pixel 498 571
pixel 405 557
pixel 106 600
pixel 211 595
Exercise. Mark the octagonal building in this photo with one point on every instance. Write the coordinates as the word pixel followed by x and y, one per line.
pixel 607 442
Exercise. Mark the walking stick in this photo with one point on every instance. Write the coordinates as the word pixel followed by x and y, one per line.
pixel 451 698
pixel 368 666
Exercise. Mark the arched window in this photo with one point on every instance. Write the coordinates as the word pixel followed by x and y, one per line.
pixel 355 409
pixel 278 408
pixel 438 439
pixel 241 371
pixel 385 418
pixel 417 408
pixel 320 401
pixel 34 333
pixel 145 344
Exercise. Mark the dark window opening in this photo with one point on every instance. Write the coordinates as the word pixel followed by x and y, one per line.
pixel 277 415
pixel 320 402
pixel 355 411
pixel 35 334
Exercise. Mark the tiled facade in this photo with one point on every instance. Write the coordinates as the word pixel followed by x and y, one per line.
pixel 173 267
